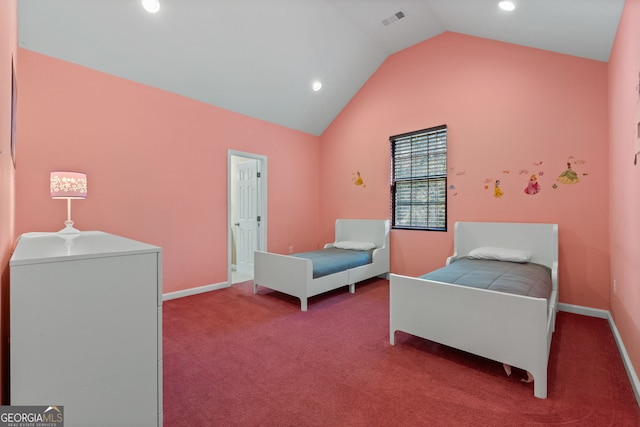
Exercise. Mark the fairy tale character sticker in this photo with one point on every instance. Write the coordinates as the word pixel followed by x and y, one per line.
pixel 497 192
pixel 533 187
pixel 569 176
pixel 357 180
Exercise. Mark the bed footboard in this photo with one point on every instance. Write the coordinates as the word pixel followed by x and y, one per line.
pixel 294 276
pixel 283 273
pixel 506 328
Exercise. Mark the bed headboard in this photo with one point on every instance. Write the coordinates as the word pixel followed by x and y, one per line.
pixel 364 230
pixel 541 240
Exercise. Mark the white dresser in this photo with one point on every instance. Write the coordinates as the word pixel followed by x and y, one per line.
pixel 86 328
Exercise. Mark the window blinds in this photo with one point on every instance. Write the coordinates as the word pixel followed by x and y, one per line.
pixel 419 179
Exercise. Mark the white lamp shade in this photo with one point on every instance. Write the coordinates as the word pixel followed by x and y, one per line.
pixel 68 185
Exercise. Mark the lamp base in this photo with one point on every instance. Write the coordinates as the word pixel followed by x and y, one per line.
pixel 69 228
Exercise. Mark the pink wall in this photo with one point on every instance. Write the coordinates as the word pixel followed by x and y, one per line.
pixel 624 200
pixel 8 48
pixel 156 166
pixel 511 112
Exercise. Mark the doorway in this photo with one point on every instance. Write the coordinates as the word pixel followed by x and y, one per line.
pixel 246 213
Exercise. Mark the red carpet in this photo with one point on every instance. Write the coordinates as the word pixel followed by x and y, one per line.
pixel 232 358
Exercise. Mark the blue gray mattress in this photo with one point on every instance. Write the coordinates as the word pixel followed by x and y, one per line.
pixel 527 279
pixel 332 260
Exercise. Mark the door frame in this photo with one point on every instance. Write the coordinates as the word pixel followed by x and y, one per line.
pixel 261 195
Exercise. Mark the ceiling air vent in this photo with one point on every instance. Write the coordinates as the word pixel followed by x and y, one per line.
pixel 393 18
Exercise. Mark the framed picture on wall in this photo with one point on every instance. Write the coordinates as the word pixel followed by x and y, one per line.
pixel 14 102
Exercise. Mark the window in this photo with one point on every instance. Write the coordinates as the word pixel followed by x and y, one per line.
pixel 419 179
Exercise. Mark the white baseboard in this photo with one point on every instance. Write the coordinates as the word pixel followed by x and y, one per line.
pixel 633 377
pixel 585 311
pixel 195 291
pixel 606 314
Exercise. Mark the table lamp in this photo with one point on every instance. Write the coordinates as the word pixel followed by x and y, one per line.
pixel 68 185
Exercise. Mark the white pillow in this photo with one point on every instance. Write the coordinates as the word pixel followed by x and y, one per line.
pixel 500 254
pixel 355 245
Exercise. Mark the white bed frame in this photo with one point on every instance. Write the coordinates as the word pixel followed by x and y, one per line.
pixel 294 276
pixel 512 329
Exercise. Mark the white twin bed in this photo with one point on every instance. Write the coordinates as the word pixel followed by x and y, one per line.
pixel 294 274
pixel 513 329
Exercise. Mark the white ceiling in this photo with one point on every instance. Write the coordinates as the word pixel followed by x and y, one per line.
pixel 259 57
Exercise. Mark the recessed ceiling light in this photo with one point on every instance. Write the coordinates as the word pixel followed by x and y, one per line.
pixel 507 5
pixel 316 86
pixel 151 6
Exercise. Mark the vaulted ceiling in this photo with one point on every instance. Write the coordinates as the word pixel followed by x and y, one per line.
pixel 260 57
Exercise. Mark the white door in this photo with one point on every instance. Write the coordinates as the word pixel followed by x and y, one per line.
pixel 247 215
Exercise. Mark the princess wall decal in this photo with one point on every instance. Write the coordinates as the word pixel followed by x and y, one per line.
pixel 533 187
pixel 569 176
pixel 497 192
